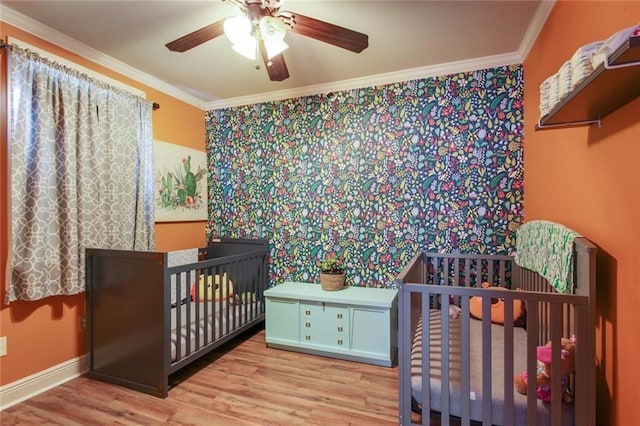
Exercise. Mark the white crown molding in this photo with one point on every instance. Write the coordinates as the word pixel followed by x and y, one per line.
pixel 44 32
pixel 373 80
pixel 33 385
pixel 37 29
pixel 537 23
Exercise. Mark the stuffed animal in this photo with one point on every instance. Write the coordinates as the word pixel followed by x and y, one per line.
pixel 497 307
pixel 543 376
pixel 223 288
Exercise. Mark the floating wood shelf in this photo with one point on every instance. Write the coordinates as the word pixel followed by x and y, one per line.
pixel 610 86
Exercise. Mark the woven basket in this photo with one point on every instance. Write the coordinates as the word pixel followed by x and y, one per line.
pixel 332 282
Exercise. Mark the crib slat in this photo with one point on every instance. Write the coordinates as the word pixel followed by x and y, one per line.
pixel 445 354
pixel 466 369
pixel 235 272
pixel 208 275
pixel 467 272
pixel 426 367
pixel 556 368
pixel 456 273
pixel 187 334
pixel 445 274
pixel 490 276
pixel 486 360
pixel 436 268
pixel 508 364
pixel 179 322
pixel 404 355
pixel 583 386
pixel 532 342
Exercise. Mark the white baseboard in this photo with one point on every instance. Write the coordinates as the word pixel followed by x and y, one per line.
pixel 30 386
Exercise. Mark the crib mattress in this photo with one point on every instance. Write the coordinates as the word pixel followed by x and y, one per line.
pixel 475 361
pixel 199 329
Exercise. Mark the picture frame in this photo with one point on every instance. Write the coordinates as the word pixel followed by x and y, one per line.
pixel 180 175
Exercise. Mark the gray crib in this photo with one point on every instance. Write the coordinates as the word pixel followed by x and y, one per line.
pixel 148 316
pixel 469 370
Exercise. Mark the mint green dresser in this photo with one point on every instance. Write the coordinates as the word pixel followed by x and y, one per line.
pixel 356 323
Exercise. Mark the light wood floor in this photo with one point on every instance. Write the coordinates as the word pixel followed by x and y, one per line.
pixel 242 383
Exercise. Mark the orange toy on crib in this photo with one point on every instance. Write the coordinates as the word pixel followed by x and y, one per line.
pixel 497 306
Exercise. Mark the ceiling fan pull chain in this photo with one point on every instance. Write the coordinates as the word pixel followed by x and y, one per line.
pixel 257 54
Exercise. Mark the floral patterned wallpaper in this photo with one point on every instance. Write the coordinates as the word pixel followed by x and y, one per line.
pixel 375 173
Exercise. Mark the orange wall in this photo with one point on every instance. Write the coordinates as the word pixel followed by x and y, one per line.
pixel 46 333
pixel 589 179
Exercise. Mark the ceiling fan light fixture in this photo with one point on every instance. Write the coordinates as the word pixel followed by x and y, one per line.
pixel 237 29
pixel 272 31
pixel 246 48
pixel 275 47
pixel 272 28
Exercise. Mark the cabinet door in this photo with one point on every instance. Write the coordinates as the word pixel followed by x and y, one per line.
pixel 370 331
pixel 282 320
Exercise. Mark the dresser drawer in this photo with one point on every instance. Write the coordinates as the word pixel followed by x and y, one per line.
pixel 325 340
pixel 311 326
pixel 324 317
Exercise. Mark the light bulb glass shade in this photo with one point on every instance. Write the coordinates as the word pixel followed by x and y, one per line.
pixel 272 28
pixel 246 47
pixel 237 28
pixel 275 47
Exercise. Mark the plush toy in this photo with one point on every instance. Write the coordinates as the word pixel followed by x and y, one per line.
pixel 543 376
pixel 223 288
pixel 497 307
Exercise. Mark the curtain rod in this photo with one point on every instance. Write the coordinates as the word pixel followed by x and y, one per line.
pixel 155 105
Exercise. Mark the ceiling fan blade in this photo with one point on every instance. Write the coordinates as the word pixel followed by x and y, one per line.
pixel 326 32
pixel 276 66
pixel 197 37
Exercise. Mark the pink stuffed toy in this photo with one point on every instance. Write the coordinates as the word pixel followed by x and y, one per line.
pixel 543 374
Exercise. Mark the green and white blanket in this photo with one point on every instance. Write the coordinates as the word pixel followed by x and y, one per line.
pixel 547 248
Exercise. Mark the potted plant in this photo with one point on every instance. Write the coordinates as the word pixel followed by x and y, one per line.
pixel 332 273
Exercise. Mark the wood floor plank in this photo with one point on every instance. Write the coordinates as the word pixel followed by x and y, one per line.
pixel 241 383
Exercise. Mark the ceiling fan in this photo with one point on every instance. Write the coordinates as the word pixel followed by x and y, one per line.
pixel 260 32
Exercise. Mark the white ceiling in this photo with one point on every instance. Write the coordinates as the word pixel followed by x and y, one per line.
pixel 407 40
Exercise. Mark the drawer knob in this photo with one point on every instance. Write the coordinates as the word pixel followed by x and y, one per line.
pixel 307 324
pixel 340 316
pixel 340 328
pixel 339 341
pixel 307 312
pixel 307 337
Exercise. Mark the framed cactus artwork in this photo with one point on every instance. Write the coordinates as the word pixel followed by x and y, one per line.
pixel 180 183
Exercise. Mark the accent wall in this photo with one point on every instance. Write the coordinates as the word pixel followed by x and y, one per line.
pixel 374 173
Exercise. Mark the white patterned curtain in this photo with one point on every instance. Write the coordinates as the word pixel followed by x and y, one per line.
pixel 81 174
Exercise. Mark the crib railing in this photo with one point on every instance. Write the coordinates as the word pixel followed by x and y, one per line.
pixel 240 277
pixel 468 270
